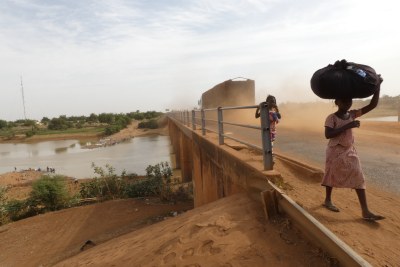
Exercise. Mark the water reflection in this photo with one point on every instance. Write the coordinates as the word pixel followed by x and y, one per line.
pixel 69 158
pixel 61 150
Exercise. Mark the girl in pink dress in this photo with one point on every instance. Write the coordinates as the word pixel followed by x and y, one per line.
pixel 274 116
pixel 342 168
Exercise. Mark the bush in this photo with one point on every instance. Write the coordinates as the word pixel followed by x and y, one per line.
pixel 3 210
pixel 107 186
pixel 3 124
pixel 19 209
pixel 14 209
pixel 145 187
pixel 156 183
pixel 30 133
pixel 150 124
pixel 49 193
pixel 112 129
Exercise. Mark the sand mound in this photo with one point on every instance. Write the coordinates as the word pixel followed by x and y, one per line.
pixel 228 232
pixel 46 239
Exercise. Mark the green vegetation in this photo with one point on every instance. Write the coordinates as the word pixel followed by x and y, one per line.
pixel 3 203
pixel 107 186
pixel 157 182
pixel 150 124
pixel 50 193
pixel 103 124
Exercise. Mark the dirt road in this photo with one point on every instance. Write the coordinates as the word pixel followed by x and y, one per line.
pixel 377 143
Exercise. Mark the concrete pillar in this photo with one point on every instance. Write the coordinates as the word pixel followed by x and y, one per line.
pixel 197 175
pixel 185 156
pixel 175 134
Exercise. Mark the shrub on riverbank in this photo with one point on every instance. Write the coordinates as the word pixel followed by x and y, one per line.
pixel 3 201
pixel 107 186
pixel 50 193
pixel 156 183
pixel 150 124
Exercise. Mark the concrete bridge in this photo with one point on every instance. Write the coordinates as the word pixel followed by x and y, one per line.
pixel 219 169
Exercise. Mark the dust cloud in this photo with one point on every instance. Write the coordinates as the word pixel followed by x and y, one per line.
pixel 299 116
pixel 308 116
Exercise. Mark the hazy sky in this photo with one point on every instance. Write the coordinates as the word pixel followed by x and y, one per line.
pixel 82 56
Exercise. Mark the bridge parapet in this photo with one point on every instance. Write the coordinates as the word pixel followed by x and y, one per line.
pixel 219 170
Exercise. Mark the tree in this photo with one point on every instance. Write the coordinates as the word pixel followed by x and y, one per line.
pixel 3 124
pixel 93 118
pixel 45 120
pixel 57 124
pixel 106 118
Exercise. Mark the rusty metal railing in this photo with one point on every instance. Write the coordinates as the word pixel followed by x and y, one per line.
pixel 193 120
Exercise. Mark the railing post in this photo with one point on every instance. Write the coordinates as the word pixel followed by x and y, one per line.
pixel 203 123
pixel 193 120
pixel 220 127
pixel 266 137
pixel 182 118
pixel 187 118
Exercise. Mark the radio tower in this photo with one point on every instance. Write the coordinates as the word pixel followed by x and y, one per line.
pixel 23 98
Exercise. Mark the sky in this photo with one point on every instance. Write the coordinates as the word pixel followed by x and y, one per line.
pixel 77 57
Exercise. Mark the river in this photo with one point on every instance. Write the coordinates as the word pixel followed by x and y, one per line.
pixel 68 157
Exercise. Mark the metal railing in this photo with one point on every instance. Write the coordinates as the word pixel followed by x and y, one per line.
pixel 191 120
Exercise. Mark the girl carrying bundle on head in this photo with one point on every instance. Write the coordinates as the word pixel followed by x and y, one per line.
pixel 342 167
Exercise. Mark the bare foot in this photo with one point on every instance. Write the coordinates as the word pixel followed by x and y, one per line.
pixel 369 216
pixel 329 205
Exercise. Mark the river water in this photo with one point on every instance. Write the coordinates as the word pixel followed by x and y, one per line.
pixel 68 157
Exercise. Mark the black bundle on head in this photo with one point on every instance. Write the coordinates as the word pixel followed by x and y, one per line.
pixel 345 79
pixel 341 65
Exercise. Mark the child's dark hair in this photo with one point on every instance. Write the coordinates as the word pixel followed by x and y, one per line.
pixel 271 101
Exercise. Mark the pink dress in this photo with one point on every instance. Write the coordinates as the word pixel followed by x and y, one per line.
pixel 342 166
pixel 273 121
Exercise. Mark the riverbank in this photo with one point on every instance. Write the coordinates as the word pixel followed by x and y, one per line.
pixel 130 131
pixel 19 183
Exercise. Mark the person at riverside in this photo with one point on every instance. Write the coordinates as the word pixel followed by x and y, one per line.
pixel 274 116
pixel 342 167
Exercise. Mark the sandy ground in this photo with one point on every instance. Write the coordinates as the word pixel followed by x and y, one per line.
pixel 46 239
pixel 229 232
